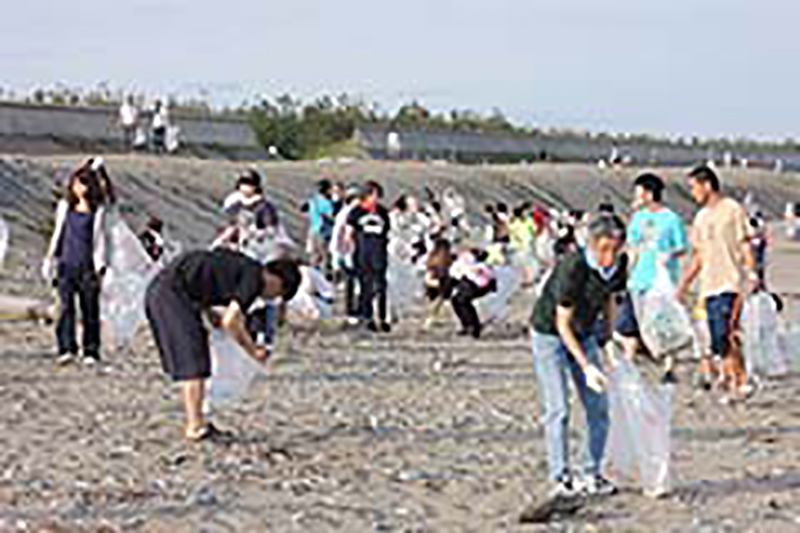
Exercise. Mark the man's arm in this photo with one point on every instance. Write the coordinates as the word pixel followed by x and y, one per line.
pixel 595 379
pixel 233 322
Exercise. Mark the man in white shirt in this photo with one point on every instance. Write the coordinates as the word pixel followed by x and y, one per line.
pixel 128 120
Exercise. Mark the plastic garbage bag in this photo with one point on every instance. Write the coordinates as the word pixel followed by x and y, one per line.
pixel 664 323
pixel 129 272
pixel 4 234
pixel 494 307
pixel 761 345
pixel 638 448
pixel 403 280
pixel 232 371
pixel 314 298
pixel 789 344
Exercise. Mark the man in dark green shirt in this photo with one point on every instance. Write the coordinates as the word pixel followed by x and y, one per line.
pixel 565 323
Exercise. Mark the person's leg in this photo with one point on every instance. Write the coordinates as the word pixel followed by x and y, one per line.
pixel 549 363
pixel 350 292
pixel 89 296
pixel 462 301
pixel 596 406
pixel 193 394
pixel 366 286
pixel 270 324
pixel 719 309
pixel 381 294
pixel 65 327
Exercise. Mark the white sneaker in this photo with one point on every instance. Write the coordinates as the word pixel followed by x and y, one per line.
pixel 353 321
pixel 65 359
pixel 596 486
pixel 89 361
pixel 564 488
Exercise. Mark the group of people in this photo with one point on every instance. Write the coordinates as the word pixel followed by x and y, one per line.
pixel 162 133
pixel 587 271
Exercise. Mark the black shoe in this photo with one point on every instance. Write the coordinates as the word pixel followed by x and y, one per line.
pixel 476 332
pixel 373 327
pixel 463 332
pixel 386 327
pixel 669 378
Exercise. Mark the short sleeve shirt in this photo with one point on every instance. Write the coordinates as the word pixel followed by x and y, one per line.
pixel 652 235
pixel 371 229
pixel 718 235
pixel 218 277
pixel 574 284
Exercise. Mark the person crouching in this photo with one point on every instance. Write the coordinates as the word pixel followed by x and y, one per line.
pixel 473 279
pixel 198 281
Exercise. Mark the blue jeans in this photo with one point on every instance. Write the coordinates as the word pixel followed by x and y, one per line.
pixel 552 362
pixel 719 309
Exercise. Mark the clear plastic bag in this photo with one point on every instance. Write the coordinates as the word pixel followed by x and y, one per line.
pixel 664 324
pixel 125 283
pixel 4 235
pixel 639 441
pixel 761 345
pixel 789 343
pixel 403 281
pixel 232 371
pixel 494 307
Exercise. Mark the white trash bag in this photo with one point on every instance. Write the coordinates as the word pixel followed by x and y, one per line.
pixel 232 371
pixel 789 342
pixel 638 448
pixel 761 344
pixel 4 233
pixel 314 298
pixel 664 324
pixel 122 297
pixel 403 282
pixel 494 306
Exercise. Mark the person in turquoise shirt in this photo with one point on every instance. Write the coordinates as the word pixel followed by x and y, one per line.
pixel 656 239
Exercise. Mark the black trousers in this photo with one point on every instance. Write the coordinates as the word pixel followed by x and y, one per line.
pixel 84 283
pixel 465 293
pixel 371 286
pixel 350 282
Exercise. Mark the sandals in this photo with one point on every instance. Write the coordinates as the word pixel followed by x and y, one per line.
pixel 210 433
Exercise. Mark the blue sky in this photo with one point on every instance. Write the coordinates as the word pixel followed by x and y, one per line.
pixel 706 67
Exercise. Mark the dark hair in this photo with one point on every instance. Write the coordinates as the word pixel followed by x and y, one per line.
pixel 289 273
pixel 251 178
pixel 606 208
pixel 373 187
pixel 155 224
pixel 608 226
pixel 107 191
pixel 402 203
pixel 438 207
pixel 652 184
pixel 519 212
pixel 324 186
pixel 502 208
pixel 705 174
pixel 94 194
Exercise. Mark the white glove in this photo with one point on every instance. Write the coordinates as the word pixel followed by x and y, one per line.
pixel 47 270
pixel 595 379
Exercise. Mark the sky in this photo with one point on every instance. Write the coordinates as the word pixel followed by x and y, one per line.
pixel 671 67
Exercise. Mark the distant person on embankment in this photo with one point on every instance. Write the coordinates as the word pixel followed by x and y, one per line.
pixel 564 336
pixel 129 122
pixel 158 127
pixel 199 281
pixel 77 260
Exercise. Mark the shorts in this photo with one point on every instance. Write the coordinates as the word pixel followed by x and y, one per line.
pixel 178 329
pixel 719 310
pixel 626 323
